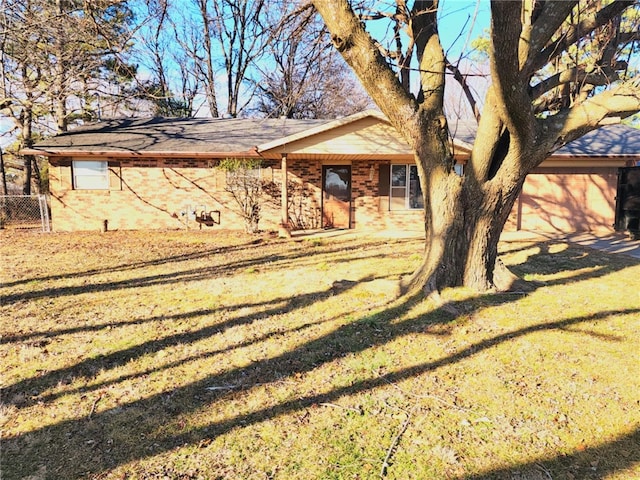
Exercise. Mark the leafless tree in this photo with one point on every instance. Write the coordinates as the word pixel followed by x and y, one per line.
pixel 301 76
pixel 216 44
pixel 54 57
pixel 242 38
pixel 245 186
pixel 162 49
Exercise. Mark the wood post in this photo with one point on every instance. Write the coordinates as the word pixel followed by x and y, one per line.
pixel 284 199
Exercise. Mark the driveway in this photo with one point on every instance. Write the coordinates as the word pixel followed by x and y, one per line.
pixel 610 243
pixel 618 243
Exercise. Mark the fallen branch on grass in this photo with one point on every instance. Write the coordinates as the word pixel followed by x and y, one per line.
pixel 394 444
pixel 93 407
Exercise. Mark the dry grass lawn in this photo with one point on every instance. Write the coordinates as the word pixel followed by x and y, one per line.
pixel 214 355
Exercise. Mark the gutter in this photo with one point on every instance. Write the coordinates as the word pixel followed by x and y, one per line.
pixel 54 152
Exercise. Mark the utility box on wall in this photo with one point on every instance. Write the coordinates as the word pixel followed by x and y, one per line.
pixel 628 201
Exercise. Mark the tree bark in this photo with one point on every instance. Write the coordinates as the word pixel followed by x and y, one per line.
pixel 462 234
pixel 463 219
pixel 60 73
pixel 26 133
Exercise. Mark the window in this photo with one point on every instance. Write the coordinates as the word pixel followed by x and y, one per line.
pixel 405 188
pixel 90 175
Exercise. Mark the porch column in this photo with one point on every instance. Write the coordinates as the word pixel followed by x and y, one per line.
pixel 284 199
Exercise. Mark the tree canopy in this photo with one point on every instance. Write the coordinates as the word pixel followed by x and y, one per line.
pixel 66 62
pixel 57 59
pixel 558 70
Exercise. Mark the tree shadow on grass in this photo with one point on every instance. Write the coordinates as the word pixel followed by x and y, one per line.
pixel 277 305
pixel 548 263
pixel 147 418
pixel 206 271
pixel 220 250
pixel 89 367
pixel 592 463
pixel 72 448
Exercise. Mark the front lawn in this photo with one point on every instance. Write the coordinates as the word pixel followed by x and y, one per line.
pixel 215 355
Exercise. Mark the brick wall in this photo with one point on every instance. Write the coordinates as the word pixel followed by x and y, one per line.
pixel 566 200
pixel 148 194
pixel 163 194
pixel 369 211
pixel 305 194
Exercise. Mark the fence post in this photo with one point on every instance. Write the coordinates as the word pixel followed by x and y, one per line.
pixel 44 212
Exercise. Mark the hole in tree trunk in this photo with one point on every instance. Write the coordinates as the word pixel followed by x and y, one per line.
pixel 500 154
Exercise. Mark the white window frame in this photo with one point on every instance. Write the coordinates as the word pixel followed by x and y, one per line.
pixel 90 174
pixel 400 194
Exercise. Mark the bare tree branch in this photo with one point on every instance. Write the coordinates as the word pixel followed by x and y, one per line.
pixel 580 76
pixel 363 56
pixel 461 79
pixel 575 33
pixel 616 103
pixel 431 61
pixel 547 23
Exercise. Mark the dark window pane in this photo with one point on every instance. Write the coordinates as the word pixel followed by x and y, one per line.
pixel 415 191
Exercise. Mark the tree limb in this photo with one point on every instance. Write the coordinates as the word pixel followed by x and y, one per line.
pixel 461 79
pixel 361 53
pixel 575 33
pixel 620 101
pixel 430 54
pixel 597 77
pixel 547 23
pixel 510 88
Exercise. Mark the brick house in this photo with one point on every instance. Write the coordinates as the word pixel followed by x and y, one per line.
pixel 352 172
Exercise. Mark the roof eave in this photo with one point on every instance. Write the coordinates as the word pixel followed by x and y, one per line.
pixel 606 156
pixel 53 152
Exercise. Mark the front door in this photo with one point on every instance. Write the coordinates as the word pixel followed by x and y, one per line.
pixel 336 196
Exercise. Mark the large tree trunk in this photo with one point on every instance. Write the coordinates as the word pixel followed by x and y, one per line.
pixel 464 216
pixel 462 231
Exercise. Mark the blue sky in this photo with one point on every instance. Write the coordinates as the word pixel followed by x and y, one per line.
pixel 5 125
pixel 460 21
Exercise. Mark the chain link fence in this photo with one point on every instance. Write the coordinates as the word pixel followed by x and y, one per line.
pixel 24 212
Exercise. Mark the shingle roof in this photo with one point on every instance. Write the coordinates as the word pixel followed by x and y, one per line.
pixel 210 136
pixel 610 140
pixel 198 135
